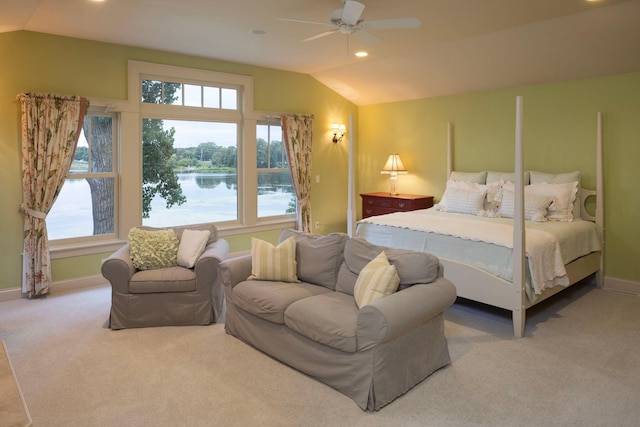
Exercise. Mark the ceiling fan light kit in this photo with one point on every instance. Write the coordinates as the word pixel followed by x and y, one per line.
pixel 349 20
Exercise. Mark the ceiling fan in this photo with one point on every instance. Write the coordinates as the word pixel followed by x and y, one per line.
pixel 349 20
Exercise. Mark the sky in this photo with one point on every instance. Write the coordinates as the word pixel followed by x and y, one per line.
pixel 191 133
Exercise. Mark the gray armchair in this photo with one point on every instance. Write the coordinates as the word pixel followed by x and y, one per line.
pixel 173 296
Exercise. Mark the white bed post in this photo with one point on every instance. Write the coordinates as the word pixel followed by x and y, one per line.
pixel 449 149
pixel 351 186
pixel 600 196
pixel 519 311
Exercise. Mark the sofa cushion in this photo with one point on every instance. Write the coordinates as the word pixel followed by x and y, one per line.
pixel 330 319
pixel 269 299
pixel 376 280
pixel 172 279
pixel 151 249
pixel 412 267
pixel 318 257
pixel 270 262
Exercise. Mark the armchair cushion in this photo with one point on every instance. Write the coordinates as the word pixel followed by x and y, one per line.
pixel 153 249
pixel 171 279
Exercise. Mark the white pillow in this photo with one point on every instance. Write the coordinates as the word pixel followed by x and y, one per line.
pixel 477 177
pixel 560 178
pixel 376 280
pixel 535 205
pixel 468 201
pixel 492 192
pixel 563 195
pixel 270 262
pixel 192 244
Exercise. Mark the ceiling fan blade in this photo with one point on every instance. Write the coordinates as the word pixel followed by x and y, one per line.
pixel 366 37
pixel 317 36
pixel 387 24
pixel 302 21
pixel 352 11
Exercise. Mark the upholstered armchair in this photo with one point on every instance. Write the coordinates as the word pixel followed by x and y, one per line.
pixel 169 296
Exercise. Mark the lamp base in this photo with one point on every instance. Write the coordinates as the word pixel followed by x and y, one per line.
pixel 393 181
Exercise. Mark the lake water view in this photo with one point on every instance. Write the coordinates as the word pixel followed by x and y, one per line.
pixel 211 197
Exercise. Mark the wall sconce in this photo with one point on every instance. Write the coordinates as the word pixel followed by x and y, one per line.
pixel 338 132
pixel 393 167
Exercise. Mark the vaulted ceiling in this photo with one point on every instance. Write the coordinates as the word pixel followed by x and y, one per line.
pixel 460 46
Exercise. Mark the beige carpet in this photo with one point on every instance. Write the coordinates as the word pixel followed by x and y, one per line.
pixel 13 411
pixel 579 365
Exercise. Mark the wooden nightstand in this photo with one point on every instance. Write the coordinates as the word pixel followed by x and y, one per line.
pixel 384 203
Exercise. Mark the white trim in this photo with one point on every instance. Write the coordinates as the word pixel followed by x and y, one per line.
pixel 10 294
pixel 622 285
pixel 77 283
pixel 59 287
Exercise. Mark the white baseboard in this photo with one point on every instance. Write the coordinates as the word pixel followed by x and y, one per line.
pixel 10 294
pixel 622 285
pixel 58 287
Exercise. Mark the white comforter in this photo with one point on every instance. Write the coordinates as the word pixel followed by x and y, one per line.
pixel 544 250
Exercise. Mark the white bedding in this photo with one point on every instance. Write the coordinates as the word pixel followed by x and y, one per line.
pixel 549 245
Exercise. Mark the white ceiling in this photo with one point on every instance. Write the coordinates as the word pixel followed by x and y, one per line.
pixel 461 46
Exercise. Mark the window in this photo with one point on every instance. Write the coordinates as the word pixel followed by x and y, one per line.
pixel 189 95
pixel 276 195
pixel 189 172
pixel 206 155
pixel 86 205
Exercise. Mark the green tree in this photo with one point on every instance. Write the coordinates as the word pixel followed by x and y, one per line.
pixel 158 176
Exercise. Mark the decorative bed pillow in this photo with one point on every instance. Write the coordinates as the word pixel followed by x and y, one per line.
pixel 563 195
pixel 506 177
pixel 535 205
pixel 477 177
pixel 192 244
pixel 489 202
pixel 376 280
pixel 560 178
pixel 465 201
pixel 153 249
pixel 270 262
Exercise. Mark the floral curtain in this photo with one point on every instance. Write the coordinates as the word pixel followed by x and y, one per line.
pixel 298 138
pixel 51 126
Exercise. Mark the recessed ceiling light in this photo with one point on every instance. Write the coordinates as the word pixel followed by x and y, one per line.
pixel 258 32
pixel 361 54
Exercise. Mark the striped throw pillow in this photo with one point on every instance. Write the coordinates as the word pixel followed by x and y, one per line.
pixel 270 262
pixel 376 280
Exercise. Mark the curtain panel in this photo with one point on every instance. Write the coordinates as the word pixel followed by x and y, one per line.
pixel 298 140
pixel 51 125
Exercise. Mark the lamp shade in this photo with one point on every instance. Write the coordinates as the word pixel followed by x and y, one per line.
pixel 394 164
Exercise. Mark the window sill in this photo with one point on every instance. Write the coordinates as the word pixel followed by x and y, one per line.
pixel 70 250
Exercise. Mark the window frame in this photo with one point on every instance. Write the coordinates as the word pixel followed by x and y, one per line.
pixel 129 155
pixel 65 247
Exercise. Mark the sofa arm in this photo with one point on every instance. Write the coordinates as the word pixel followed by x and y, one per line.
pixel 398 313
pixel 234 270
pixel 215 252
pixel 118 269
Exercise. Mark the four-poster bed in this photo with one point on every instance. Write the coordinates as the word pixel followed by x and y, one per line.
pixel 529 272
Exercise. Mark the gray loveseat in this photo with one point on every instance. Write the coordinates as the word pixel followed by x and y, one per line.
pixel 173 296
pixel 373 354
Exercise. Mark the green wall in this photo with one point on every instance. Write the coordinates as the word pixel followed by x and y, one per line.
pixel 61 65
pixel 559 133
